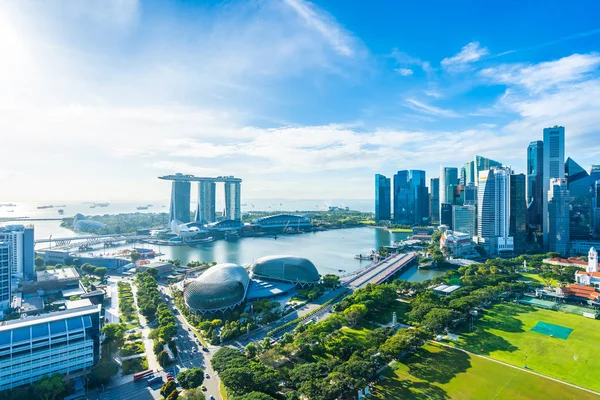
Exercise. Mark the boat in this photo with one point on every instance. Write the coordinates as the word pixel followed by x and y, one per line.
pixel 61 211
pixel 44 207
pixel 11 211
pixel 193 242
pixel 8 205
pixel 62 206
pixel 141 207
pixel 231 236
pixel 93 206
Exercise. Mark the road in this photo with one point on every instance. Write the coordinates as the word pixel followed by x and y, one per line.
pixel 384 268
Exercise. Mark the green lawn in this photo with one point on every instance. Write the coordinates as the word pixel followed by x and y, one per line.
pixel 436 372
pixel 504 334
pixel 401 230
pixel 357 335
pixel 537 278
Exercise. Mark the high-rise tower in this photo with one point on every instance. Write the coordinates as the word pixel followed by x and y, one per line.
pixel 535 185
pixel 402 196
pixel 382 198
pixel 553 167
pixel 558 216
pixel 493 219
pixel 580 191
pixel 180 202
pixel 448 177
pixel 5 276
pixel 518 212
pixel 233 208
pixel 434 199
pixel 206 207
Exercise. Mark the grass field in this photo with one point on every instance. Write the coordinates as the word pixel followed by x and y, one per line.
pixel 437 372
pixel 536 278
pixel 400 230
pixel 504 334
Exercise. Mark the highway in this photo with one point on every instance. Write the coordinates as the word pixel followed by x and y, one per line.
pixel 381 271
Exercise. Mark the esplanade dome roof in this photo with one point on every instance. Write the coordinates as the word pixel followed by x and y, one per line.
pixel 285 268
pixel 221 287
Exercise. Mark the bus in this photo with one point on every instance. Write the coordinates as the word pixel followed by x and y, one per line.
pixel 142 375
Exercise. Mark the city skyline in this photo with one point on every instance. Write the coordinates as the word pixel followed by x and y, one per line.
pixel 156 88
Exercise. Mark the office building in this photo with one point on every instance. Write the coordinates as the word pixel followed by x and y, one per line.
pixel 233 209
pixel 462 179
pixel 402 195
pixel 434 199
pixel 64 342
pixel 20 240
pixel 5 275
pixel 446 215
pixel 470 195
pixel 518 212
pixel 448 176
pixel 180 202
pixel 463 219
pixel 458 244
pixel 493 212
pixel 558 216
pixel 483 164
pixel 382 198
pixel 469 172
pixel 535 185
pixel 419 199
pixel 553 167
pixel 580 189
pixel 207 200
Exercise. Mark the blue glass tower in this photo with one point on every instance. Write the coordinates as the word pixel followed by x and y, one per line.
pixel 402 195
pixel 383 197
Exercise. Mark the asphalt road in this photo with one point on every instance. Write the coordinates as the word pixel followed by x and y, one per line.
pixel 132 391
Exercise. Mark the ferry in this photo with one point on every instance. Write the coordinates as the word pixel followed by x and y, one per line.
pixel 8 205
pixel 44 207
pixel 193 242
pixel 141 207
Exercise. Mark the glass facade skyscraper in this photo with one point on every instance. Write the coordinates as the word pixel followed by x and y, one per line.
pixel 535 186
pixel 5 276
pixel 207 199
pixel 402 194
pixel 483 164
pixel 518 212
pixel 419 200
pixel 233 208
pixel 382 198
pixel 558 216
pixel 493 212
pixel 580 190
pixel 180 202
pixel 434 199
pixel 448 176
pixel 553 167
pixel 463 219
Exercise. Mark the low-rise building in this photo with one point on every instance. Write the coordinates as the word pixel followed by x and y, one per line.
pixel 591 276
pixel 53 281
pixel 161 268
pixel 459 244
pixel 65 342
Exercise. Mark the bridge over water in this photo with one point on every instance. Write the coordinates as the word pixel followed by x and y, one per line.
pixel 381 271
pixel 88 241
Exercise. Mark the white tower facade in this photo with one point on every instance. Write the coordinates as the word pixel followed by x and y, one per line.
pixel 592 261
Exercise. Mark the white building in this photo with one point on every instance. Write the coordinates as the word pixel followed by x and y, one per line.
pixel 20 240
pixel 590 276
pixel 463 219
pixel 558 216
pixel 65 342
pixel 553 166
pixel 459 244
pixel 493 212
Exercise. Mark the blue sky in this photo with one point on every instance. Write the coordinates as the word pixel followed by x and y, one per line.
pixel 300 99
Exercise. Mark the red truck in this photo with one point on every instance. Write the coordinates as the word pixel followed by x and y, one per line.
pixel 142 375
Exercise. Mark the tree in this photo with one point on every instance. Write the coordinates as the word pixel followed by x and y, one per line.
pixel 49 387
pixel 438 319
pixel 39 263
pixel 114 333
pixel 251 350
pixel 194 394
pixel 103 371
pixel 226 357
pixel 135 255
pixel 167 388
pixel 238 380
pixel 191 378
pixel 330 280
pixel 254 396
pixel 163 358
pixel 100 272
pixel 173 396
pixel 355 313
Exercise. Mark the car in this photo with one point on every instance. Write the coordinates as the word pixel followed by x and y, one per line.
pixel 205 349
pixel 155 379
pixel 203 388
pixel 206 375
pixel 211 398
pixel 170 378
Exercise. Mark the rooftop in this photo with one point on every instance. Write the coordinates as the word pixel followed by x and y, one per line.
pixel 57 274
pixel 73 304
pixel 55 316
pixel 447 289
pixel 192 178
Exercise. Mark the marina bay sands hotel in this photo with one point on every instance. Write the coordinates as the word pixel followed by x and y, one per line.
pixel 205 208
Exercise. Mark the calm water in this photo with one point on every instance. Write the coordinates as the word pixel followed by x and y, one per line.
pixel 331 251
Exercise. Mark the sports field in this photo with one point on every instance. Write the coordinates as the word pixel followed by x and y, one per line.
pixel 437 372
pixel 505 333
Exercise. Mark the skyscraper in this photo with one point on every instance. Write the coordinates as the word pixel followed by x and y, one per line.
pixel 434 199
pixel 596 209
pixel 580 189
pixel 462 179
pixel 206 206
pixel 20 240
pixel 5 274
pixel 558 216
pixel 448 176
pixel 518 212
pixel 553 167
pixel 463 219
pixel 469 172
pixel 470 194
pixel 180 202
pixel 535 185
pixel 483 164
pixel 493 219
pixel 233 208
pixel 446 215
pixel 382 198
pixel 419 199
pixel 402 194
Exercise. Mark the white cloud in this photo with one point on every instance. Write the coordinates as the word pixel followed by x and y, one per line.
pixel 317 20
pixel 542 76
pixel 469 54
pixel 429 109
pixel 404 71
